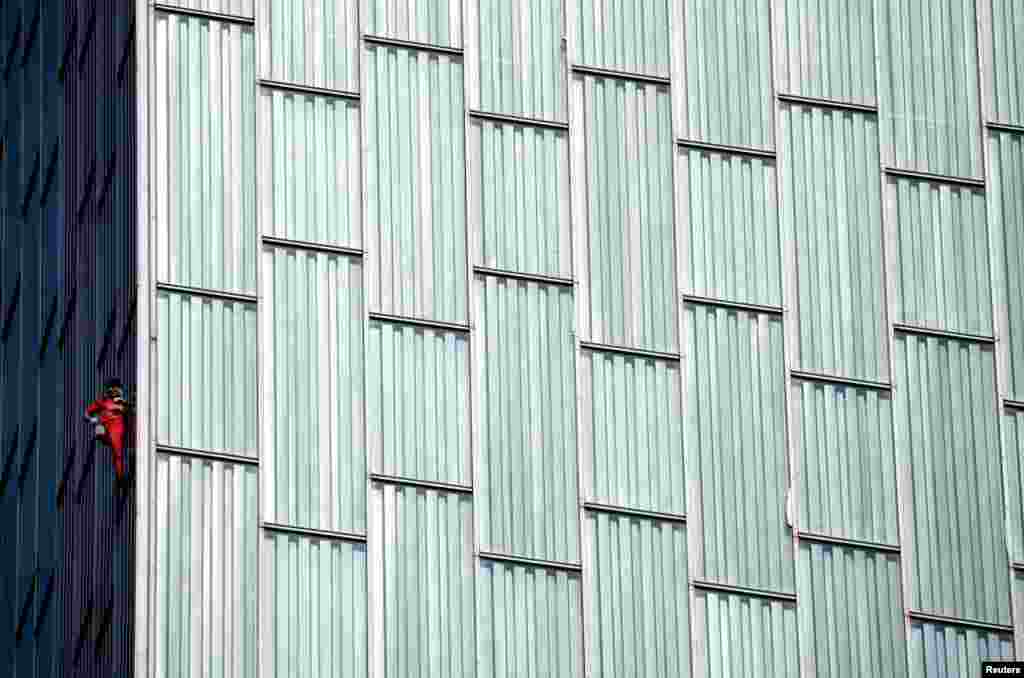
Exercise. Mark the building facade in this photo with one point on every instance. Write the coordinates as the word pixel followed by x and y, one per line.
pixel 481 338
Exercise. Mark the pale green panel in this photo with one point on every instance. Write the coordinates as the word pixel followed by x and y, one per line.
pixel 521 60
pixel 826 50
pixel 232 7
pixel 206 373
pixel 638 615
pixel 947 651
pixel 433 22
pixel 428 582
pixel 929 86
pixel 730 209
pixel 528 622
pixel 737 635
pixel 527 498
pixel 203 566
pixel 313 615
pixel 1013 470
pixel 1007 60
pixel 630 238
pixel 309 168
pixel 624 35
pixel 942 254
pixel 310 42
pixel 314 462
pixel 851 617
pixel 1018 606
pixel 726 93
pixel 417 402
pixel 519 202
pixel 734 429
pixel 631 436
pixel 843 441
pixel 947 438
pixel 1006 214
pixel 203 116
pixel 831 204
pixel 415 183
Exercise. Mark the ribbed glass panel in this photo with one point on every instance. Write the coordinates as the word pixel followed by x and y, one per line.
pixel 826 49
pixel 631 441
pixel 739 635
pixel 519 197
pixel 415 183
pixel 427 582
pixel 851 617
pixel 417 402
pixel 929 86
pixel 204 110
pixel 521 59
pixel 726 93
pixel 947 439
pixel 1018 602
pixel 314 465
pixel 638 613
pixel 434 22
pixel 527 499
pixel 313 615
pixel 734 429
pixel 528 622
pixel 626 213
pixel 624 35
pixel 309 168
pixel 728 212
pixel 233 7
pixel 310 42
pixel 1006 214
pixel 946 651
pixel 1007 64
pixel 831 204
pixel 843 441
pixel 206 362
pixel 1013 469
pixel 204 568
pixel 943 279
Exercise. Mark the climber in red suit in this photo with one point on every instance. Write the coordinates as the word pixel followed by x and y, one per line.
pixel 110 413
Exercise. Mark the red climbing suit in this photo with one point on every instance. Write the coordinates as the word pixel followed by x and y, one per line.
pixel 112 415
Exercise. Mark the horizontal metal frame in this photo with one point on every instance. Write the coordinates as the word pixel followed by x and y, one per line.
pixel 620 75
pixel 518 120
pixel 934 178
pixel 840 381
pixel 411 44
pixel 1013 404
pixel 834 104
pixel 313 246
pixel 530 562
pixel 634 513
pixel 420 322
pixel 943 334
pixel 728 149
pixel 203 14
pixel 424 484
pixel 737 305
pixel 630 351
pixel 1005 127
pixel 1016 565
pixel 704 585
pixel 210 455
pixel 308 89
pixel 532 277
pixel 310 532
pixel 917 615
pixel 210 294
pixel 818 538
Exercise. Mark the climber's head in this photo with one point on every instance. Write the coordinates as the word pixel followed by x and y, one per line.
pixel 113 388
